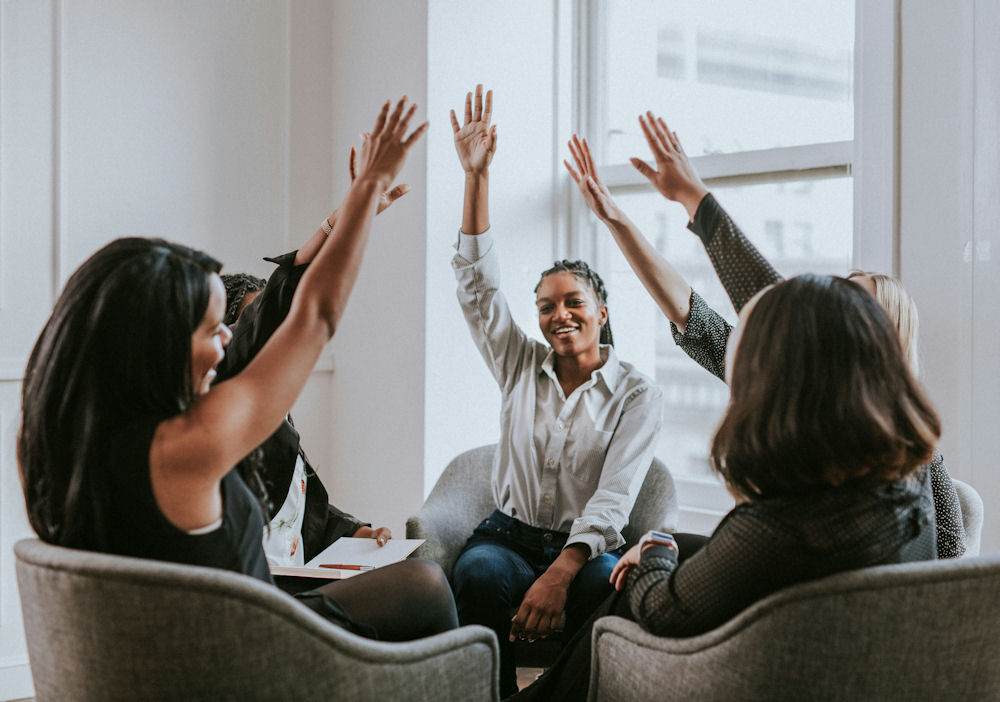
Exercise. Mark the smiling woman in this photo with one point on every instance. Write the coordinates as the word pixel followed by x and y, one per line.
pixel 578 428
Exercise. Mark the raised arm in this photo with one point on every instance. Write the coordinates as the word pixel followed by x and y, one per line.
pixel 200 445
pixel 740 266
pixel 309 250
pixel 476 142
pixel 662 281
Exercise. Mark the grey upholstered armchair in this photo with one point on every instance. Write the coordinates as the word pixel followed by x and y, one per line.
pixel 916 631
pixel 972 516
pixel 463 497
pixel 103 627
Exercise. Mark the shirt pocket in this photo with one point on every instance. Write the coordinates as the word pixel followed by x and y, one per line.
pixel 586 456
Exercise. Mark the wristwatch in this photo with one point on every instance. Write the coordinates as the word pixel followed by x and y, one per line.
pixel 659 538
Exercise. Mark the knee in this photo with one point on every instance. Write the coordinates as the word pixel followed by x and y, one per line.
pixel 426 575
pixel 480 572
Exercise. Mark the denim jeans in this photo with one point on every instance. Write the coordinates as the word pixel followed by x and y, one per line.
pixel 500 561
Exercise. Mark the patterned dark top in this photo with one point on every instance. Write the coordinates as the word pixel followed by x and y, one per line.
pixel 743 272
pixel 766 545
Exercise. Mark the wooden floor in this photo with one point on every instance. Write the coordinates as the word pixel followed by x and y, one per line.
pixel 526 676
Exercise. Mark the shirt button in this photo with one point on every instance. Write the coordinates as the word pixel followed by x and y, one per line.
pixel 550 463
pixel 547 536
pixel 561 426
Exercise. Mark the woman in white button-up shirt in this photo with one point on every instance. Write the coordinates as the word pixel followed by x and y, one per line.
pixel 578 432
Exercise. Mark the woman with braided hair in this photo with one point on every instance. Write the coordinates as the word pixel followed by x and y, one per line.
pixel 578 431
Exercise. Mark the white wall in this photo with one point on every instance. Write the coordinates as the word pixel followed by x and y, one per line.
pixel 949 116
pixel 179 119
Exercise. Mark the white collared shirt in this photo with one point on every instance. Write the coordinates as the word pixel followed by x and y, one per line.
pixel 572 464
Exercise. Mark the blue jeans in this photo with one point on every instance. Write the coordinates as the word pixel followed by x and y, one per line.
pixel 500 561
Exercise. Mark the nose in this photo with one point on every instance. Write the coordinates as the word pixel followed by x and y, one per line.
pixel 561 312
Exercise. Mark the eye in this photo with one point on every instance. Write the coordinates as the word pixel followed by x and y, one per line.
pixel 575 302
pixel 545 309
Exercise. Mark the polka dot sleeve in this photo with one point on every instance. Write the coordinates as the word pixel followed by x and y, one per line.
pixel 739 265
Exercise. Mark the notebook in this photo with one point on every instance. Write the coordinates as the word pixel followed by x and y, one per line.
pixel 357 555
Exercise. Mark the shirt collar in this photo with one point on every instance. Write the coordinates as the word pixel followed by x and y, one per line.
pixel 609 372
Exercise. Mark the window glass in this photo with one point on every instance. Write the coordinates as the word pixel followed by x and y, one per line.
pixel 727 75
pixel 799 226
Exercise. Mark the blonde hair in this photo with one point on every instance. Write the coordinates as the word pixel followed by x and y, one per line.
pixel 901 309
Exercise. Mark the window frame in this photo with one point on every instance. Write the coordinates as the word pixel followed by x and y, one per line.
pixel 871 159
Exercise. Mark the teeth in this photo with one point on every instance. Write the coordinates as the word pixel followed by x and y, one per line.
pixel 562 330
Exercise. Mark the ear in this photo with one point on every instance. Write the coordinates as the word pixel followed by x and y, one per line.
pixel 603 315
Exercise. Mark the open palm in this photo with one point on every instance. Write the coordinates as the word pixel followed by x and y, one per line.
pixel 475 140
pixel 594 192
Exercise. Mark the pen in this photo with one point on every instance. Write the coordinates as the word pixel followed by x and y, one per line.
pixel 342 566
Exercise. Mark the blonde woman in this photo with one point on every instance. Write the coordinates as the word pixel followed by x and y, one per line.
pixel 698 329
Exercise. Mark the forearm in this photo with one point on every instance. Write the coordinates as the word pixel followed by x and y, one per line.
pixel 309 250
pixel 662 281
pixel 476 206
pixel 741 267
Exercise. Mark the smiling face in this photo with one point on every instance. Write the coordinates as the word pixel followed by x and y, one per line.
pixel 569 314
pixel 209 340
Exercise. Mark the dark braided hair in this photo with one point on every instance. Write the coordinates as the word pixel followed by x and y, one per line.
pixel 238 285
pixel 584 272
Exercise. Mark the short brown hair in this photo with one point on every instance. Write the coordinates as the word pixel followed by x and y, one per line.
pixel 821 395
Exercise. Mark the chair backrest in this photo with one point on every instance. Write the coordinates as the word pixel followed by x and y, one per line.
pixel 463 496
pixel 925 630
pixel 972 516
pixel 102 627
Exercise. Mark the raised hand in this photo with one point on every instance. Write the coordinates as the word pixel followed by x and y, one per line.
pixel 674 176
pixel 593 190
pixel 384 151
pixel 475 140
pixel 387 197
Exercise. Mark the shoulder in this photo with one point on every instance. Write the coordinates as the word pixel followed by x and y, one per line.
pixel 636 386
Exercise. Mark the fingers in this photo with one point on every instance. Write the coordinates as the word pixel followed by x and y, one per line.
pixel 651 139
pixel 352 164
pixel 454 122
pixel 417 133
pixel 404 122
pixel 643 167
pixel 572 173
pixel 517 624
pixel 468 108
pixel 589 159
pixel 488 110
pixel 660 130
pixel 575 149
pixel 380 121
pixel 396 193
pixel 393 121
pixel 478 114
pixel 493 140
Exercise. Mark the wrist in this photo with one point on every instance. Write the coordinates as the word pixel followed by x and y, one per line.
pixel 379 182
pixel 690 199
pixel 657 538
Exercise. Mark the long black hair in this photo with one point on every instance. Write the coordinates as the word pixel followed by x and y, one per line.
pixel 588 275
pixel 117 347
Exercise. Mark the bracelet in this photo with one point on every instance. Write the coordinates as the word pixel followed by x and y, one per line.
pixel 326 227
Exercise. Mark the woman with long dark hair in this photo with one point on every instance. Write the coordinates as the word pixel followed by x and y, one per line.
pixel 126 446
pixel 578 431
pixel 822 445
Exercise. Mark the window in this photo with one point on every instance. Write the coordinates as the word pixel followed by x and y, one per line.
pixel 762 97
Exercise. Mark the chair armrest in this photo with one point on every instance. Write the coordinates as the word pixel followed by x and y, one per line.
pixel 445 535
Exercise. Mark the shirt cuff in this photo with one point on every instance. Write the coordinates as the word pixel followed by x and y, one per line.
pixel 473 247
pixel 658 551
pixel 695 327
pixel 707 218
